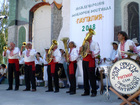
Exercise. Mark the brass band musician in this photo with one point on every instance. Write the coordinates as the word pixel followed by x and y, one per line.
pixel 12 53
pixel 53 68
pixel 89 66
pixel 72 66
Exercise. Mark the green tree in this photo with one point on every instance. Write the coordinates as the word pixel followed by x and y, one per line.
pixel 3 28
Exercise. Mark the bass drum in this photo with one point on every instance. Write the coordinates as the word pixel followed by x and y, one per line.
pixel 125 76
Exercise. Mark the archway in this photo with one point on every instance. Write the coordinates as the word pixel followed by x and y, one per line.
pixel 40 26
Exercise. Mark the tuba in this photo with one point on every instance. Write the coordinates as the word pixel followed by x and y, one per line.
pixel 65 41
pixel 50 51
pixel 85 44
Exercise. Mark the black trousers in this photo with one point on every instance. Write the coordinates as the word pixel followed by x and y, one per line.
pixel 38 70
pixel 11 70
pixel 54 76
pixel 89 76
pixel 29 77
pixel 72 79
pixel 61 71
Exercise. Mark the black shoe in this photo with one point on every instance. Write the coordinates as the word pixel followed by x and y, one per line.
pixel 72 93
pixel 56 91
pixel 93 95
pixel 49 91
pixel 9 89
pixel 16 89
pixel 26 90
pixel 85 94
pixel 67 91
pixel 119 98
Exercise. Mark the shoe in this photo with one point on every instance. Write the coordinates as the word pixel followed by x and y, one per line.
pixel 49 91
pixel 26 90
pixel 9 89
pixel 16 89
pixel 93 95
pixel 72 93
pixel 56 91
pixel 67 91
pixel 119 98
pixel 33 90
pixel 85 94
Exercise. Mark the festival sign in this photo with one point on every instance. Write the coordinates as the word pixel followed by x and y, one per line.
pixel 125 76
pixel 95 14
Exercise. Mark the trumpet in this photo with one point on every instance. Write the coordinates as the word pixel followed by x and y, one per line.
pixel 24 44
pixel 5 48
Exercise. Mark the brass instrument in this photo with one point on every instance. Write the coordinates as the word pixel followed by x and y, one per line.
pixel 5 48
pixel 85 44
pixel 65 42
pixel 50 51
pixel 24 44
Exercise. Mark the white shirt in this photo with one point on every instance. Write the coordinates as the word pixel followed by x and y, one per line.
pixel 2 71
pixel 113 54
pixel 127 44
pixel 15 54
pixel 73 54
pixel 44 59
pixel 57 55
pixel 21 61
pixel 39 62
pixel 62 60
pixel 94 47
pixel 31 56
pixel 138 48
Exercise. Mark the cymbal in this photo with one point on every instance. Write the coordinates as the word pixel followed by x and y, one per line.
pixel 128 53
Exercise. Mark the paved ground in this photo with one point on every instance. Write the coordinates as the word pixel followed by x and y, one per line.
pixel 40 97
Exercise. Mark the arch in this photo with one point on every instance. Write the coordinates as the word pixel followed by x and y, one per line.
pixel 31 16
pixel 133 20
pixel 21 36
pixel 124 14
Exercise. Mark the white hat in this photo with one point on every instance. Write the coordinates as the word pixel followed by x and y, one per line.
pixel 46 48
pixel 115 42
pixel 135 40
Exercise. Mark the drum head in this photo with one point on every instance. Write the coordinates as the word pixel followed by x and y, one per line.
pixel 125 76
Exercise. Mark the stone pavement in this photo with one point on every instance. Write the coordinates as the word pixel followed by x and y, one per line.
pixel 40 97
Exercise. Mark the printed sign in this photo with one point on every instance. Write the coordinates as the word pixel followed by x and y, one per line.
pixel 95 14
pixel 125 76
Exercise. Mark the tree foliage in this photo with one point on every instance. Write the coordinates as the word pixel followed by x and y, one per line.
pixel 3 28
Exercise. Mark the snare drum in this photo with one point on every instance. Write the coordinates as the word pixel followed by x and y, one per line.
pixel 105 67
pixel 125 76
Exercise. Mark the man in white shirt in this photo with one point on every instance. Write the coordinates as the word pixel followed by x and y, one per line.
pixel 125 45
pixel 114 52
pixel 13 66
pixel 52 70
pixel 89 68
pixel 29 59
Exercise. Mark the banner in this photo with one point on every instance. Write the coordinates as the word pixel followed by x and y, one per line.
pixel 95 14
